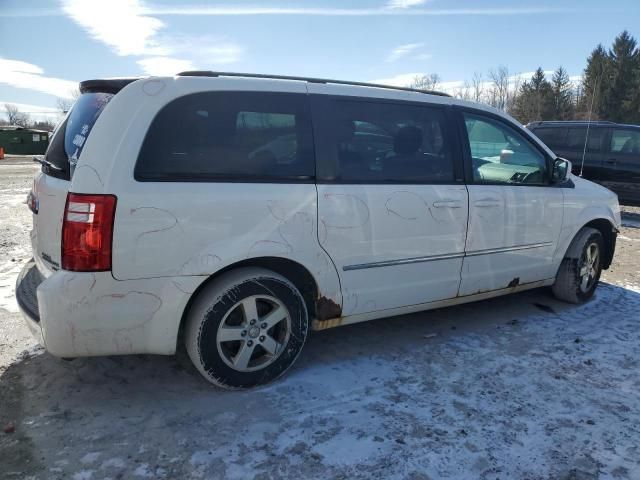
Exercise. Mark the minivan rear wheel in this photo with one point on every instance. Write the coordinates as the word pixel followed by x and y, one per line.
pixel 580 270
pixel 246 328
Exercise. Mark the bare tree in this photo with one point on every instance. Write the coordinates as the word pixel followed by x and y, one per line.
pixel 477 87
pixel 64 104
pixel 464 92
pixel 513 90
pixel 47 125
pixel 15 116
pixel 499 90
pixel 425 82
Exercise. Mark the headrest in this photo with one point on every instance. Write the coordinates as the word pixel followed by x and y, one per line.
pixel 408 140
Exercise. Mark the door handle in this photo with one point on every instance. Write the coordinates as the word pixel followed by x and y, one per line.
pixel 447 204
pixel 612 161
pixel 487 203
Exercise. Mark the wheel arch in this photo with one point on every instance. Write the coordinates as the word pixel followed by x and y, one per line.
pixel 606 228
pixel 609 234
pixel 318 306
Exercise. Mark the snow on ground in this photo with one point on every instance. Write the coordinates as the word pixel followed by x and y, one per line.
pixel 10 267
pixel 14 218
pixel 517 387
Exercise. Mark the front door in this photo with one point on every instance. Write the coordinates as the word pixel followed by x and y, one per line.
pixel 392 204
pixel 515 215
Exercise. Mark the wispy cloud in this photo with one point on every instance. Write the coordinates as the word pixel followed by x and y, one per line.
pixel 392 7
pixel 17 73
pixel 400 80
pixel 129 29
pixel 406 50
pixel 164 65
pixel 205 50
pixel 120 24
pixel 221 10
pixel 405 3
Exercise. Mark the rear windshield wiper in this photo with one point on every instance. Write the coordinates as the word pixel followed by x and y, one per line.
pixel 42 161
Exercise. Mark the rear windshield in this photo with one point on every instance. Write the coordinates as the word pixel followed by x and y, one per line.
pixel 69 139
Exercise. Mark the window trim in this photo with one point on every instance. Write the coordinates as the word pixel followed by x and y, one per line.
pixel 226 178
pixel 325 165
pixel 466 147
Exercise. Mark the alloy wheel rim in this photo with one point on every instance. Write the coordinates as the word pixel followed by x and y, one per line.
pixel 589 267
pixel 253 333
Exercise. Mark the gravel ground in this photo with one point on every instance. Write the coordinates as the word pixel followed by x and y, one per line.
pixel 516 387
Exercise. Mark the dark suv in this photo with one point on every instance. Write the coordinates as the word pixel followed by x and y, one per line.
pixel 611 155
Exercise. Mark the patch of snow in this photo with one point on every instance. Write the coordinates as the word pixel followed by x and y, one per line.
pixel 83 475
pixel 115 462
pixel 143 471
pixel 12 201
pixel 90 457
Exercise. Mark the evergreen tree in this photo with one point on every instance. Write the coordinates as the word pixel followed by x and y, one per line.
pixel 562 95
pixel 624 63
pixel 535 99
pixel 631 104
pixel 594 84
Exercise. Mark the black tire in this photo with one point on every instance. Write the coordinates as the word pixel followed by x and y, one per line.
pixel 569 285
pixel 220 307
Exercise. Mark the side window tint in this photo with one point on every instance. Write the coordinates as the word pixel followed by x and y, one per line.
pixel 500 154
pixel 625 141
pixel 576 138
pixel 552 137
pixel 239 135
pixel 384 142
pixel 595 139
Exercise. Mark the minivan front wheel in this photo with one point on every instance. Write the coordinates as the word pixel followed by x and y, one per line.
pixel 580 270
pixel 246 328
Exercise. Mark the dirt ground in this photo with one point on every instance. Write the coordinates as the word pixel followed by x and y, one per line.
pixel 522 386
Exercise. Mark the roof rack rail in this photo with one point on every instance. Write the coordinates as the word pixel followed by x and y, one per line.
pixel 540 122
pixel 208 73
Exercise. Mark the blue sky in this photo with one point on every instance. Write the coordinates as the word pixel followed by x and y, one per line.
pixel 46 47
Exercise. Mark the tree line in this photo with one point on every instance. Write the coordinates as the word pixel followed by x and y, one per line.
pixel 609 88
pixel 22 119
pixel 13 115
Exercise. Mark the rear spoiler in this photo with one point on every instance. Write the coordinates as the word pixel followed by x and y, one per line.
pixel 106 85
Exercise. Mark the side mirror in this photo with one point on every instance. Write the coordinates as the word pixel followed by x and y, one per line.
pixel 561 169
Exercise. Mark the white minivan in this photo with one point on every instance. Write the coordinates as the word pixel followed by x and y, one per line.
pixel 237 212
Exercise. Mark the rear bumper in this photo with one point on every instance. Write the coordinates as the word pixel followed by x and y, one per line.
pixel 75 314
pixel 26 296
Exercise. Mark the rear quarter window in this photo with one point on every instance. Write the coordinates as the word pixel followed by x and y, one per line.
pixel 241 136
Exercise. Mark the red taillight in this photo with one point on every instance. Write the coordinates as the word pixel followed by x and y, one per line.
pixel 87 232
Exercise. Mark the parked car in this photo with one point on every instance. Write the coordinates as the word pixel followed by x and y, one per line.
pixel 611 153
pixel 165 211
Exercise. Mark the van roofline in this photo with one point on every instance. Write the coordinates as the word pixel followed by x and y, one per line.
pixel 209 73
pixel 114 85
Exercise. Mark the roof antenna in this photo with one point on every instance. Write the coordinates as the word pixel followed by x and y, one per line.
pixel 586 138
